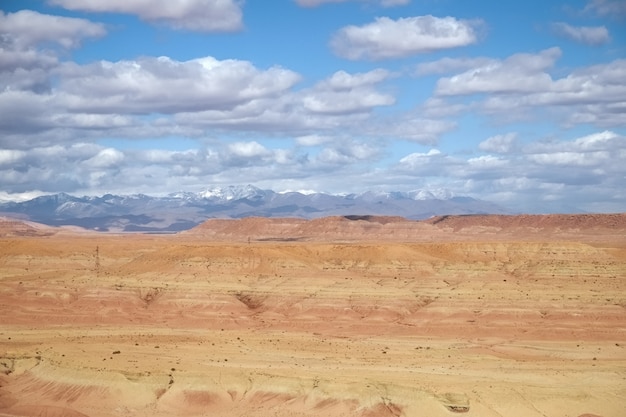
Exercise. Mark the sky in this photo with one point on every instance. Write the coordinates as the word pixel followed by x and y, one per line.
pixel 521 103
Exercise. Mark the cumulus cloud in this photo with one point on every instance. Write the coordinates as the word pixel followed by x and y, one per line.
pixel 30 43
pixel 165 85
pixel 387 38
pixel 347 93
pixel 341 101
pixel 517 73
pixel 195 15
pixel 248 149
pixel 27 28
pixel 590 35
pixel 499 143
pixel 521 84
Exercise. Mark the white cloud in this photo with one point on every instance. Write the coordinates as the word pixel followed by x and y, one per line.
pixel 590 35
pixel 196 15
pixel 27 28
pixel 248 149
pixel 486 162
pixel 332 102
pixel 342 101
pixel 600 141
pixel 105 158
pixel 432 163
pixel 516 74
pixel 165 85
pixel 601 83
pixel 24 63
pixel 387 38
pixel 347 93
pixel 342 80
pixel 587 159
pixel 521 87
pixel 499 143
pixel 313 140
pixel 546 176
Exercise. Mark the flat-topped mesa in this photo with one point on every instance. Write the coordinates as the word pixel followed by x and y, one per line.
pixel 550 222
pixel 353 227
pixel 394 228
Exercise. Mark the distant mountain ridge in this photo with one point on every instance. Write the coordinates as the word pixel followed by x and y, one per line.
pixel 184 210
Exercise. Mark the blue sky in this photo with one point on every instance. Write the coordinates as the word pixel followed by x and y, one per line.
pixel 518 103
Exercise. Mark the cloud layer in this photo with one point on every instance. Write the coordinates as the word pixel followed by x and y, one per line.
pixel 406 104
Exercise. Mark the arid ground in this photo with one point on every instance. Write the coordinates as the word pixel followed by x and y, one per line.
pixel 508 316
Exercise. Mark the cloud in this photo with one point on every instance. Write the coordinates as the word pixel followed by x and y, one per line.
pixel 347 93
pixel 312 140
pixel 341 102
pixel 554 175
pixel 27 28
pixel 383 3
pixel 499 143
pixel 546 175
pixel 345 153
pixel 521 87
pixel 30 43
pixel 248 149
pixel 386 38
pixel 606 7
pixel 103 96
pixel 10 157
pixel 106 158
pixel 195 15
pixel 590 35
pixel 516 74
pixel 342 80
pixel 164 85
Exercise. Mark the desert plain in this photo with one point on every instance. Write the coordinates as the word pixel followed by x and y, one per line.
pixel 507 316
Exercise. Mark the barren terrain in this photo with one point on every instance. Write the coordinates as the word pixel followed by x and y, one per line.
pixel 349 316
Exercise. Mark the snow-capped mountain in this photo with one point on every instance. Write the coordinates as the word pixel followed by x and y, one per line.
pixel 183 210
pixel 231 192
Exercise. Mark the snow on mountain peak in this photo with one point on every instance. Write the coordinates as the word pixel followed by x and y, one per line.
pixel 232 192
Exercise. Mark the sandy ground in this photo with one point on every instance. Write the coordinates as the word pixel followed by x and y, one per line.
pixel 473 320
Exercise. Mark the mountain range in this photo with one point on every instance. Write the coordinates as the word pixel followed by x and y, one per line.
pixel 184 210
